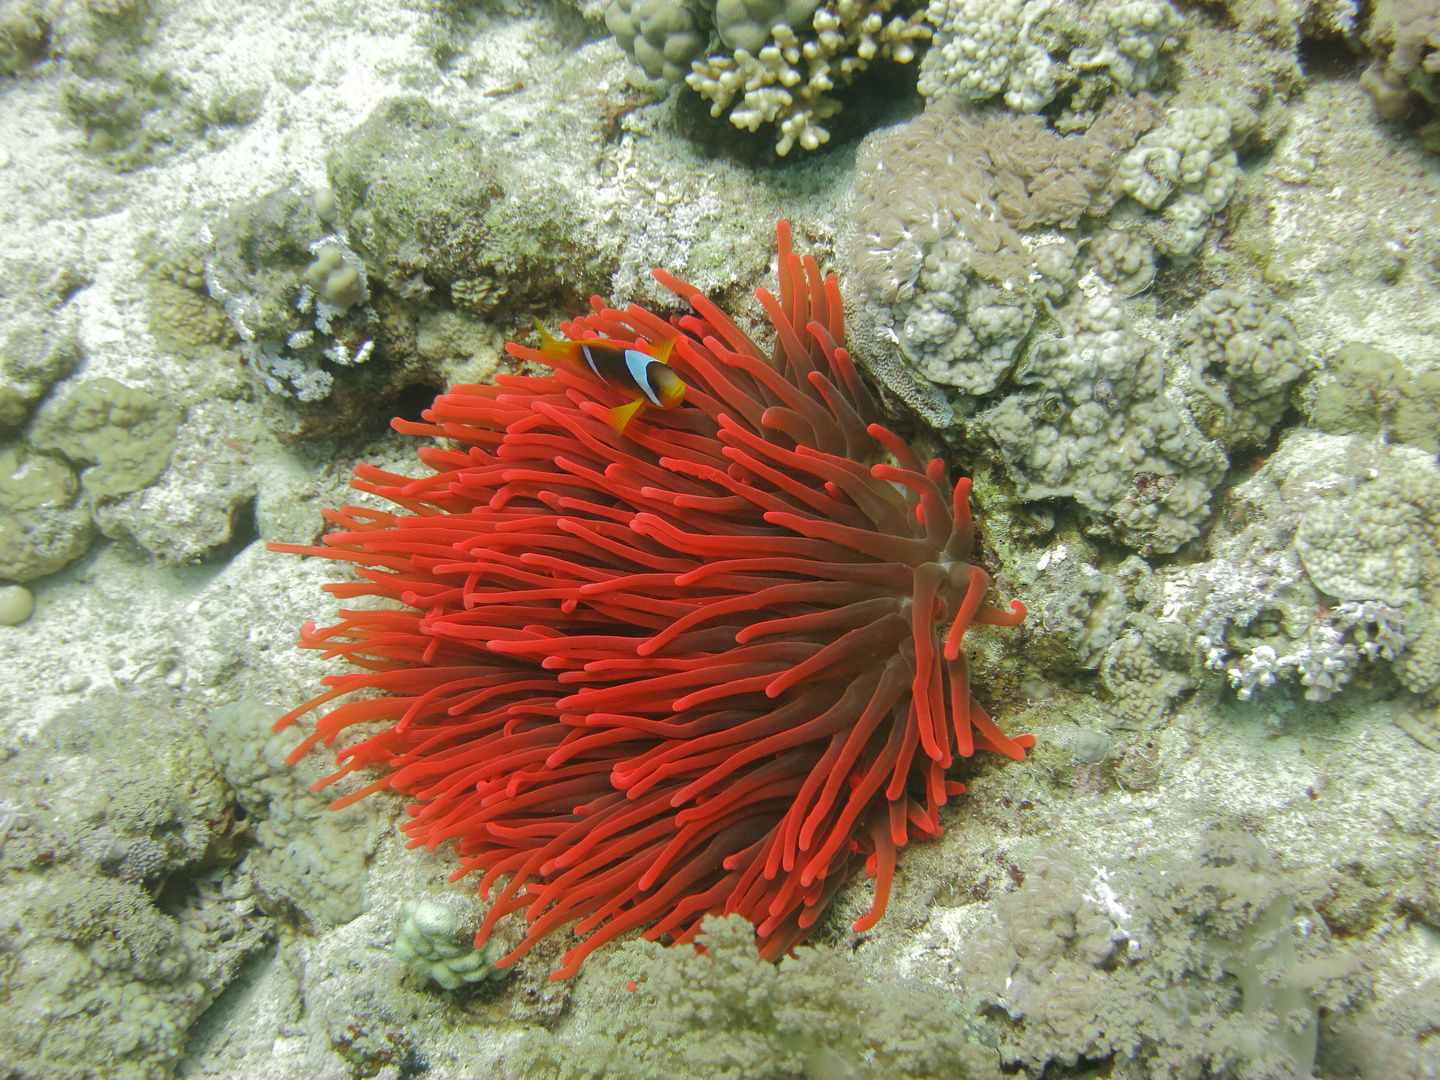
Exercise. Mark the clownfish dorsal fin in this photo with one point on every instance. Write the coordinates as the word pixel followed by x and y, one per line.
pixel 661 351
pixel 621 415
pixel 547 341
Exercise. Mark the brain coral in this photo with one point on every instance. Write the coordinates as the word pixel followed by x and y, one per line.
pixel 711 666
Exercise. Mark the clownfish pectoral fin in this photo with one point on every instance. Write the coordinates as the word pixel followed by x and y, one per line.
pixel 620 416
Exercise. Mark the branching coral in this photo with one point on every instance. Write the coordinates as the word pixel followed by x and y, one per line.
pixel 693 669
pixel 787 82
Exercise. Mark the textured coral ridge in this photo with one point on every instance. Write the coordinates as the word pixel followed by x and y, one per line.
pixel 694 669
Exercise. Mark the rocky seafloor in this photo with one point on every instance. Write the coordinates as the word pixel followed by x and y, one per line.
pixel 1163 278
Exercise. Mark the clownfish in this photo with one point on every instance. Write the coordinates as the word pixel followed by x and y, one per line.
pixel 622 367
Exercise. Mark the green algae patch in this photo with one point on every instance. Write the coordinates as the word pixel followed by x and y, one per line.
pixel 429 205
pixel 417 188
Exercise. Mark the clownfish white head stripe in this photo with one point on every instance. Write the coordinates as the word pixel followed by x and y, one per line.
pixel 638 364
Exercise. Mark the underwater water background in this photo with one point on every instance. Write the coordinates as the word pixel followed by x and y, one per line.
pixel 1162 279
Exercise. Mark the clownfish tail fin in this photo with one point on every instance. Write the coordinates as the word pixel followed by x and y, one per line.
pixel 620 416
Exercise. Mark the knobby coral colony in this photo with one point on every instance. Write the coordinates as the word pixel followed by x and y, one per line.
pixel 695 668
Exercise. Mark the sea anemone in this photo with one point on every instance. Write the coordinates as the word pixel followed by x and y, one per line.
pixel 711 665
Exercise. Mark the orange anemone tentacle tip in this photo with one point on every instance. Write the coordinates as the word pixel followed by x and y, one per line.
pixel 713 664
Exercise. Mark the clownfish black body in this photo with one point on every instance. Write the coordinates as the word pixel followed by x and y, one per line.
pixel 624 367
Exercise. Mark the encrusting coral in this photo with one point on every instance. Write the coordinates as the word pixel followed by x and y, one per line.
pixel 1372 391
pixel 694 669
pixel 1094 423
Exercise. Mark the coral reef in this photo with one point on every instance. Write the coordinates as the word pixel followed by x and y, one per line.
pixel 948 287
pixel 983 48
pixel 934 255
pixel 261 256
pixel 1384 1044
pixel 1142 688
pixel 1138 37
pixel 773 629
pixel 1376 540
pixel 1082 612
pixel 1124 260
pixel 1336 566
pixel 133 115
pixel 427 204
pixel 418 193
pixel 114 797
pixel 184 319
pixel 1252 642
pixel 1325 655
pixel 1405 35
pixel 133 111
pixel 1042 964
pixel 203 499
pixel 288 288
pixel 931 251
pixel 725 1012
pixel 1129 967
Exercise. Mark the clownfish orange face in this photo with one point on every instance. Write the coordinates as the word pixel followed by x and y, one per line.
pixel 666 384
